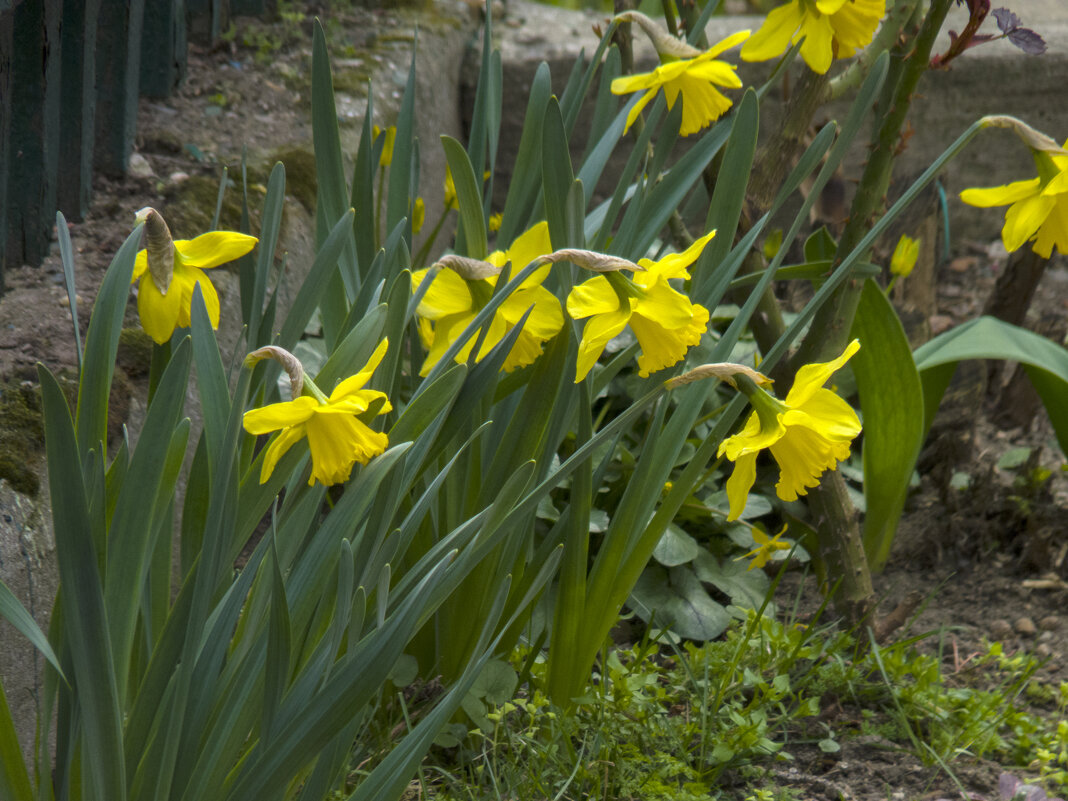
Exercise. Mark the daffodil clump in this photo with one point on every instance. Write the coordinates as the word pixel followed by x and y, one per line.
pixel 665 322
pixel 459 291
pixel 808 433
pixel 337 436
pixel 830 28
pixel 1038 207
pixel 167 270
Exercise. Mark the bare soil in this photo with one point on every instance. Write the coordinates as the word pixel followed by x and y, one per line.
pixel 990 558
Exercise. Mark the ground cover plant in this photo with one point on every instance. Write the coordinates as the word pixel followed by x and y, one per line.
pixel 500 448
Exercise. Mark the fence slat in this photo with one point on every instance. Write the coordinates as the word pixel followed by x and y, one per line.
pixel 118 75
pixel 7 29
pixel 78 107
pixel 163 47
pixel 34 144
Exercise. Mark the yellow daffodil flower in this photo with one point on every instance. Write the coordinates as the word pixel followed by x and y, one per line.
pixel 452 302
pixel 665 322
pixel 337 437
pixel 495 221
pixel 1039 207
pixel 808 433
pixel 766 548
pixel 694 78
pixel 906 253
pixel 831 29
pixel 167 270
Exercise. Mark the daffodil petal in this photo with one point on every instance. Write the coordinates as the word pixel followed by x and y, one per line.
pixel 598 331
pixel 1023 219
pixel 1054 231
pixel 828 7
pixel 140 265
pixel 447 295
pixel 855 24
pixel 813 376
pixel 816 49
pixel 740 482
pixel 724 45
pixel 277 449
pixel 827 413
pixel 279 415
pixel 353 383
pixel 595 296
pixel 773 37
pixel 752 438
pixel 1000 195
pixel 187 278
pixel 213 248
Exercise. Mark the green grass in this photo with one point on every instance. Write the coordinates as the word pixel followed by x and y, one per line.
pixel 667 723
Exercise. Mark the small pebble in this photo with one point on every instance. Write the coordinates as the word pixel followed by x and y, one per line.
pixel 1000 629
pixel 1043 651
pixel 178 177
pixel 1046 636
pixel 1025 626
pixel 139 167
pixel 1049 623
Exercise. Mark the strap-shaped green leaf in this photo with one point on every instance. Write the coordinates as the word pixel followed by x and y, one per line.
pixel 130 534
pixel 989 338
pixel 14 778
pixel 891 398
pixel 469 198
pixel 557 175
pixel 725 207
pixel 271 223
pixel 401 186
pixel 66 258
pixel 15 614
pixel 101 345
pixel 84 615
pixel 526 174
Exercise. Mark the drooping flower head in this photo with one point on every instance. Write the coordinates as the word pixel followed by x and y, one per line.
pixel 665 321
pixel 463 287
pixel 167 270
pixel 337 437
pixel 808 433
pixel 684 71
pixel 831 29
pixel 1038 208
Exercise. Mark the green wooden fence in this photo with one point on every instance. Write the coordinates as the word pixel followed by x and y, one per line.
pixel 71 72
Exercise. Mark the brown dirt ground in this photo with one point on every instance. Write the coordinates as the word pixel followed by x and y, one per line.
pixel 984 560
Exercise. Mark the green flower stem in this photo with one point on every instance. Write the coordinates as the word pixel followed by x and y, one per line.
pixel 837 525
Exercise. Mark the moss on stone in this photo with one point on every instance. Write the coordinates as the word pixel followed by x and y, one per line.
pixel 301 181
pixel 135 352
pixel 21 435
